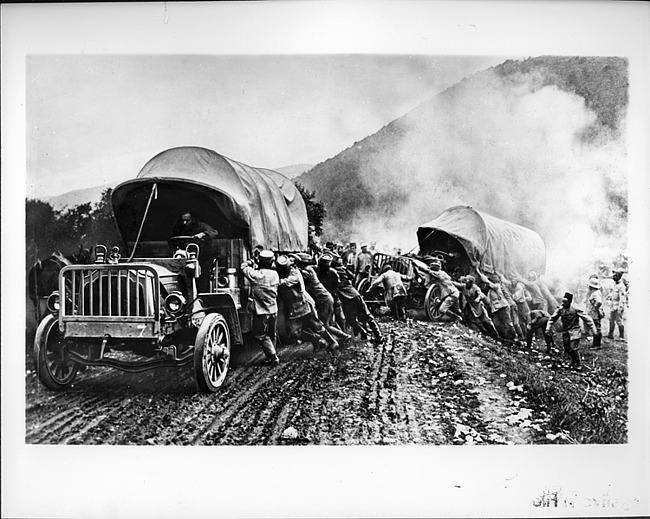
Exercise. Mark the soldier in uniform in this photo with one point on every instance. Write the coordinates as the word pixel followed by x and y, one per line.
pixel 507 286
pixel 364 263
pixel 349 259
pixel 188 225
pixel 538 300
pixel 523 311
pixel 538 321
pixel 474 306
pixel 263 303
pixel 595 308
pixel 618 303
pixel 449 294
pixel 394 291
pixel 500 307
pixel 322 297
pixel 357 315
pixel 302 323
pixel 330 280
pixel 569 317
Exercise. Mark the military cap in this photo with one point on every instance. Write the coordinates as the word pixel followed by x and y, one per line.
pixel 326 259
pixel 283 261
pixel 267 254
pixel 303 257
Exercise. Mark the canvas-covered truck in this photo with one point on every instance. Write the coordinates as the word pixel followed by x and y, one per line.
pixel 465 240
pixel 138 307
pixel 472 239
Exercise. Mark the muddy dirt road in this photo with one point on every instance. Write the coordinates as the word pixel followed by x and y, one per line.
pixel 424 385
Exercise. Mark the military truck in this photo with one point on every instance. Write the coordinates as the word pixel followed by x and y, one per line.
pixel 139 305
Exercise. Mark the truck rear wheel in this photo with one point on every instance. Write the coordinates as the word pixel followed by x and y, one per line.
pixel 212 353
pixel 54 367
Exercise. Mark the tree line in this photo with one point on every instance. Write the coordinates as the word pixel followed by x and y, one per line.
pixel 84 225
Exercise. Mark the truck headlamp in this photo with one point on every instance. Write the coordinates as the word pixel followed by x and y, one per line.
pixel 54 302
pixel 175 304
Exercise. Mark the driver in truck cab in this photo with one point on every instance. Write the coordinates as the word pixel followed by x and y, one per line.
pixel 188 226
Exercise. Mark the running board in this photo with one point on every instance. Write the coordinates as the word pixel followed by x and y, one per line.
pixel 135 366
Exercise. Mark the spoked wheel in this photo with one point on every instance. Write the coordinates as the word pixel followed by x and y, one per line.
pixel 54 367
pixel 373 299
pixel 432 302
pixel 212 353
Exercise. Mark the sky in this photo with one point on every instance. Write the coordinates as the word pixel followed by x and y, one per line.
pixel 94 119
pixel 75 115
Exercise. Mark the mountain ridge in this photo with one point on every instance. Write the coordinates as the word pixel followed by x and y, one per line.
pixel 470 134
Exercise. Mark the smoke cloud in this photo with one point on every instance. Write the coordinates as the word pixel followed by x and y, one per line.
pixel 512 149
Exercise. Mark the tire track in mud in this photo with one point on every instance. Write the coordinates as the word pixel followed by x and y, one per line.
pixel 69 424
pixel 58 400
pixel 270 423
pixel 80 403
pixel 167 401
pixel 241 419
pixel 305 418
pixel 201 409
pixel 405 405
pixel 370 427
pixel 382 402
pixel 80 437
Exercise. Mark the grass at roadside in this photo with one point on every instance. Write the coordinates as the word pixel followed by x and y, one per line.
pixel 587 407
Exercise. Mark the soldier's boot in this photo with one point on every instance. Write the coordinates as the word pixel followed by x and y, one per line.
pixel 338 334
pixel 314 338
pixel 518 333
pixel 492 331
pixel 621 332
pixel 374 329
pixel 575 361
pixel 332 344
pixel 359 330
pixel 597 340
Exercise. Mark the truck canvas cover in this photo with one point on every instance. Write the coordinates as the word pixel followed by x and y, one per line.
pixel 260 206
pixel 478 239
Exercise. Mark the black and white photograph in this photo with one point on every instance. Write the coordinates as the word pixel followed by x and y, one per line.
pixel 329 259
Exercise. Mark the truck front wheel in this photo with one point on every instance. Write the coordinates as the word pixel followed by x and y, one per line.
pixel 54 367
pixel 212 353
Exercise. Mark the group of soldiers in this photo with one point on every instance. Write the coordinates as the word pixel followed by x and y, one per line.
pixel 319 298
pixel 518 309
pixel 322 304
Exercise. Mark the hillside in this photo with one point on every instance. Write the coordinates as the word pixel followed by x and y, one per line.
pixel 77 197
pixel 293 170
pixel 523 141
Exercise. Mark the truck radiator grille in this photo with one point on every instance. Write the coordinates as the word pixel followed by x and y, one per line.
pixel 105 291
